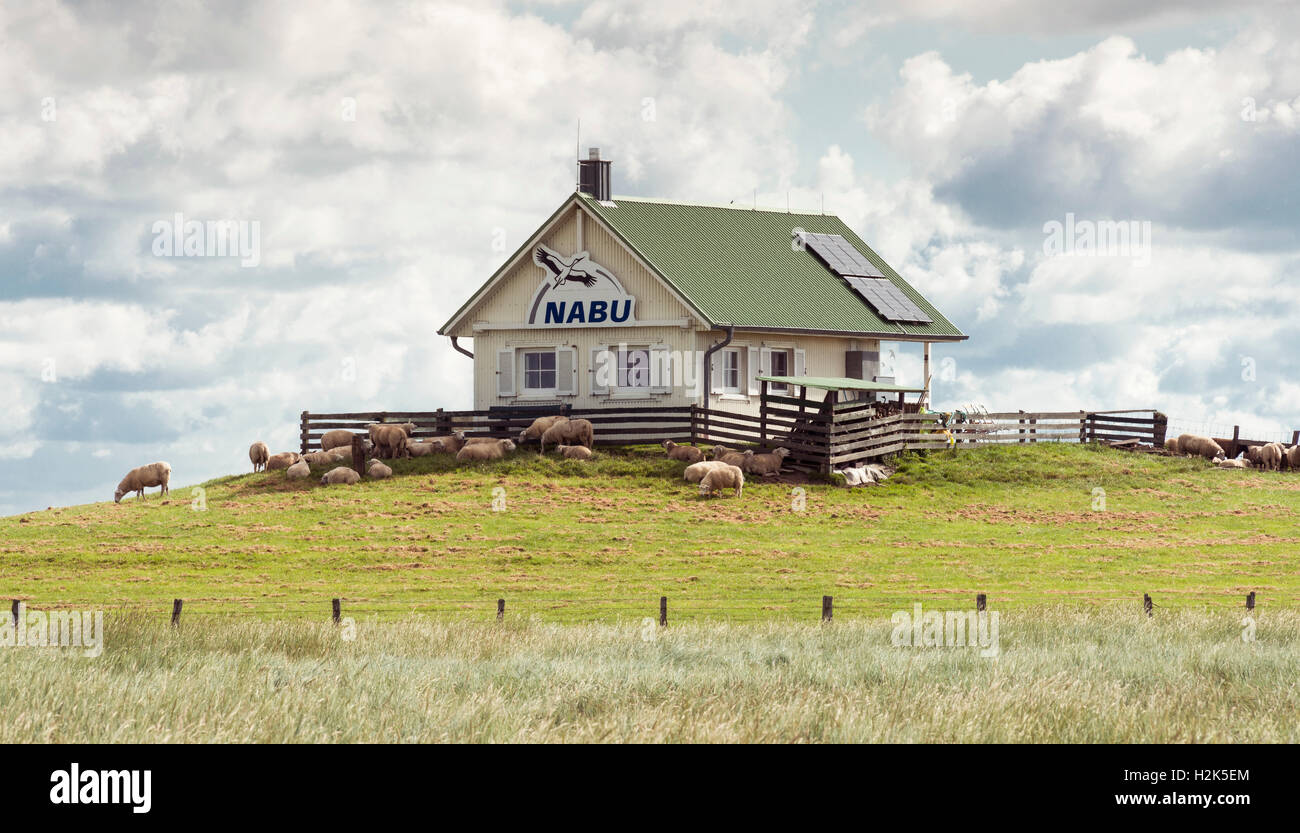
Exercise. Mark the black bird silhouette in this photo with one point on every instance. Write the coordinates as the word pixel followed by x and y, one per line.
pixel 560 270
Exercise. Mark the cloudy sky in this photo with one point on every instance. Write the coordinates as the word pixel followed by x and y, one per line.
pixel 393 154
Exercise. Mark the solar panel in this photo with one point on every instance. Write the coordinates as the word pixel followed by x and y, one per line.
pixel 842 258
pixel 888 299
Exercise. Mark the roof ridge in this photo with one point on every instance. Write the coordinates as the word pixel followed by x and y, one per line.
pixel 731 207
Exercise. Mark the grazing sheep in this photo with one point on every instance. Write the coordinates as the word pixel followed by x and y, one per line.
pixel 768 465
pixel 298 471
pixel 695 472
pixel 1253 453
pixel 258 453
pixel 724 477
pixel 283 460
pixel 378 470
pixel 485 451
pixel 390 440
pixel 334 439
pixel 574 452
pixel 344 475
pixel 1171 445
pixel 539 427
pixel 569 432
pixel 1270 457
pixel 1198 446
pixel 137 480
pixel 685 453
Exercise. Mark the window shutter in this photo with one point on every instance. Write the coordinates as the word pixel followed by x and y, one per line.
pixel 765 361
pixel 751 370
pixel 716 381
pixel 566 372
pixel 661 369
pixel 601 370
pixel 799 363
pixel 506 372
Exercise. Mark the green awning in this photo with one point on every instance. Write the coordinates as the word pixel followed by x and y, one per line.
pixel 838 383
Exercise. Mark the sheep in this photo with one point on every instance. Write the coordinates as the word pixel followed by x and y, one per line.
pixel 1253 454
pixel 450 443
pixel 724 477
pixel 378 470
pixel 485 451
pixel 1270 457
pixel 283 460
pixel 342 474
pixel 335 438
pixel 695 472
pixel 730 456
pixel 137 480
pixel 569 432
pixel 1234 463
pixel 768 465
pixel 719 450
pixel 1282 460
pixel 539 427
pixel 257 453
pixel 685 453
pixel 299 470
pixel 320 458
pixel 1293 457
pixel 1198 446
pixel 574 452
pixel 1171 445
pixel 390 440
pixel 421 448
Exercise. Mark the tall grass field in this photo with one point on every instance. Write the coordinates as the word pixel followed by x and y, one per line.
pixel 1063 539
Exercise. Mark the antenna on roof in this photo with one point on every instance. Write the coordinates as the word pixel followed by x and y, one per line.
pixel 577 154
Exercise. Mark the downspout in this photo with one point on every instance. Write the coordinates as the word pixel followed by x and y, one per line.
pixel 460 349
pixel 708 360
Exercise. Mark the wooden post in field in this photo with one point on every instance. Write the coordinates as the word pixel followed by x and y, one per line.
pixel 176 612
pixel 762 416
pixel 1236 435
pixel 1021 423
pixel 1147 604
pixel 828 610
pixel 1295 438
pixel 981 602
pixel 16 607
pixel 501 609
pixel 663 611
pixel 1159 428
pixel 359 454
pixel 1250 600
pixel 337 611
pixel 304 432
pixel 695 437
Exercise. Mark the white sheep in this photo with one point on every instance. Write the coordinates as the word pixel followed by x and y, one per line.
pixel 1171 445
pixel 298 471
pixel 450 443
pixel 485 451
pixel 569 432
pixel 730 456
pixel 1198 446
pixel 378 470
pixel 320 458
pixel 335 438
pixel 258 454
pixel 695 472
pixel 283 460
pixel 342 475
pixel 420 448
pixel 1293 457
pixel 768 465
pixel 1270 456
pixel 685 453
pixel 724 477
pixel 389 439
pixel 137 480
pixel 574 452
pixel 539 427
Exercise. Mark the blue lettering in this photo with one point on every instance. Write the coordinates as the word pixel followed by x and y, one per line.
pixel 627 311
pixel 576 314
pixel 597 313
pixel 554 312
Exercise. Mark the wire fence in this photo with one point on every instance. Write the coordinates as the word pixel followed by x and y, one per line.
pixel 1219 430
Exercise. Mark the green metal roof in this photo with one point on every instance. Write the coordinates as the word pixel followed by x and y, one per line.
pixel 838 383
pixel 738 267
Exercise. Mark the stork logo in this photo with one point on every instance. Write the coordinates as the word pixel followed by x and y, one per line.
pixel 578 292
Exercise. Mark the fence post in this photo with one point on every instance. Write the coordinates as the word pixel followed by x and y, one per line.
pixel 981 602
pixel 303 437
pixel 1295 438
pixel 828 610
pixel 501 609
pixel 762 416
pixel 1250 600
pixel 176 612
pixel 337 612
pixel 1022 423
pixel 1159 429
pixel 1084 434
pixel 1236 435
pixel 16 607
pixel 1147 604
pixel 359 455
pixel 663 611
pixel 441 428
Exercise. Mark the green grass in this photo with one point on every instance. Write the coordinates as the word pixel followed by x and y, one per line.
pixel 588 542
pixel 1104 675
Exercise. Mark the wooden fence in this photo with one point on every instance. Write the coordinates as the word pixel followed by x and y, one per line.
pixel 820 435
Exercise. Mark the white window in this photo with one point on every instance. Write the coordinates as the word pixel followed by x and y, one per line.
pixel 633 369
pixel 780 367
pixel 731 371
pixel 539 371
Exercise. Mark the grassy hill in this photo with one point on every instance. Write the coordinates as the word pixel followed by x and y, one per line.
pixel 601 541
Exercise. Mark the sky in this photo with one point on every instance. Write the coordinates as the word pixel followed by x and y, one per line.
pixel 390 156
